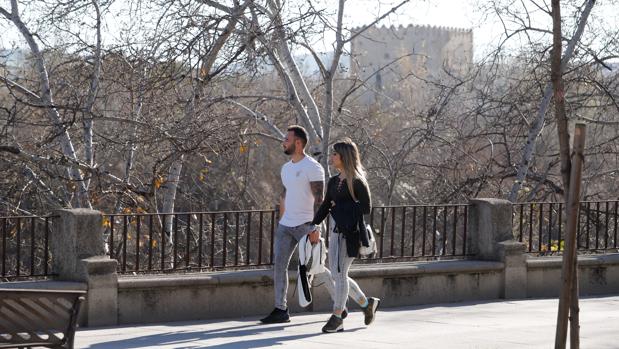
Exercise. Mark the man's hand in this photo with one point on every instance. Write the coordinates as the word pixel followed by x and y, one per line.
pixel 314 236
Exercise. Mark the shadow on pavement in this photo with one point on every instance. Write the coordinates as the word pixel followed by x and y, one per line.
pixel 183 339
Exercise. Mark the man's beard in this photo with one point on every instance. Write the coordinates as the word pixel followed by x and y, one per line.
pixel 290 150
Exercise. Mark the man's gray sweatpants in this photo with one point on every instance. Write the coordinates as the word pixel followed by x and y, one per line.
pixel 286 240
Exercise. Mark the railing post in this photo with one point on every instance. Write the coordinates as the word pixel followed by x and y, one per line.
pixel 78 254
pixel 491 237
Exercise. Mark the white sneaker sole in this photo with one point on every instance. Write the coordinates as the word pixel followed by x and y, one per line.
pixel 338 329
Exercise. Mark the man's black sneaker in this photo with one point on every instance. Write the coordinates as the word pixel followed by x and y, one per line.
pixel 335 324
pixel 344 314
pixel 277 316
pixel 370 310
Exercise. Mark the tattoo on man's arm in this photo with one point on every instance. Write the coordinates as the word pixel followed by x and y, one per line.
pixel 317 191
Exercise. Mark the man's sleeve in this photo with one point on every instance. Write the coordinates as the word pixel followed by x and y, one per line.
pixel 316 173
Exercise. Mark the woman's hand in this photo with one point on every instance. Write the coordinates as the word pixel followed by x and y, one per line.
pixel 314 236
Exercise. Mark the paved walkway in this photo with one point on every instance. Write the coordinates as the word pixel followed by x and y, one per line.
pixel 509 324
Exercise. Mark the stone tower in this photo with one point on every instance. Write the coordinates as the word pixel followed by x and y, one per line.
pixel 405 63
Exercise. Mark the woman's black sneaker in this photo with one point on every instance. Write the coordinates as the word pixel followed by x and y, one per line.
pixel 277 316
pixel 370 310
pixel 335 324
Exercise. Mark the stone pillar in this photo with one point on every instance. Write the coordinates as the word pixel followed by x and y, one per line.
pixel 99 273
pixel 490 222
pixel 511 253
pixel 78 254
pixel 490 237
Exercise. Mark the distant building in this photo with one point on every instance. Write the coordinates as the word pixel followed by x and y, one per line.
pixel 11 61
pixel 403 63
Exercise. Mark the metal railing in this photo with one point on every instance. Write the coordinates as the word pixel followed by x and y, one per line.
pixel 244 239
pixel 541 226
pixel 191 241
pixel 420 231
pixel 24 249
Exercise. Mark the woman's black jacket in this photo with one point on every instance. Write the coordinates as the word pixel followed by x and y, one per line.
pixel 347 213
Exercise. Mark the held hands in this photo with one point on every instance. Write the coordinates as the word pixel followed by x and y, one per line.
pixel 314 236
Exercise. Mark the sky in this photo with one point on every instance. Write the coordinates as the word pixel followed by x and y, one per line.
pixel 449 13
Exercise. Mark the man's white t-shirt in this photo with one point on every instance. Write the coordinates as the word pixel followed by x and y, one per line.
pixel 299 201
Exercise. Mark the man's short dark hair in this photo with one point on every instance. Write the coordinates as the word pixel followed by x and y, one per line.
pixel 299 132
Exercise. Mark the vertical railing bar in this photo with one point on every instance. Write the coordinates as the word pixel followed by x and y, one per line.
pixel 615 242
pixel 560 222
pixel 414 230
pixel 137 242
pixel 175 241
pixel 150 242
pixel 434 212
pixel 248 249
pixel 260 238
pixel 423 238
pixel 163 240
pixel 588 212
pixel 212 242
pixel 403 231
pixel 272 235
pixel 18 246
pixel 382 231
pixel 606 235
pixel 455 229
pixel 46 248
pixel 578 224
pixel 540 225
pixel 236 241
pixel 4 229
pixel 111 247
pixel 391 248
pixel 188 242
pixel 32 241
pixel 225 241
pixel 597 225
pixel 444 235
pixel 125 232
pixel 465 225
pixel 200 239
pixel 550 227
pixel 530 227
pixel 521 219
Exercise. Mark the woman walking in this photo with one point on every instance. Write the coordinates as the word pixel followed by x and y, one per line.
pixel 347 199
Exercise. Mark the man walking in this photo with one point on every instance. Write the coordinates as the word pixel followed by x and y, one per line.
pixel 303 181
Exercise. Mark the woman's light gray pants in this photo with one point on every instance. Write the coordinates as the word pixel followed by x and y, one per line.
pixel 339 264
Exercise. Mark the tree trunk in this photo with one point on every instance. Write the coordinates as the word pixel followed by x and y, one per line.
pixel 47 100
pixel 536 127
pixel 169 196
pixel 569 267
pixel 556 77
pixel 92 95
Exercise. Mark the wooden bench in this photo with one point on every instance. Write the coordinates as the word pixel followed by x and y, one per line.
pixel 32 317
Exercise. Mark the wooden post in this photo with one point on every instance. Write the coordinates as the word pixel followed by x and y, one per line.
pixel 569 291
